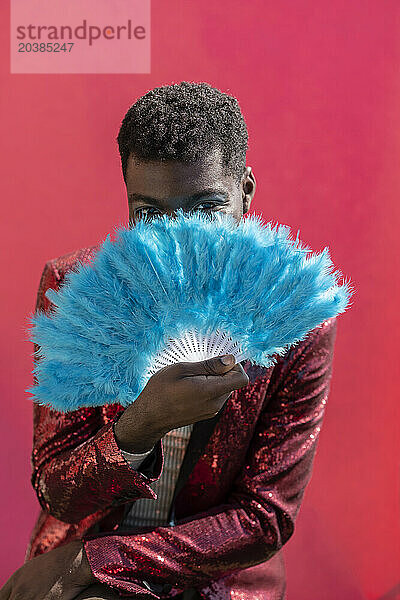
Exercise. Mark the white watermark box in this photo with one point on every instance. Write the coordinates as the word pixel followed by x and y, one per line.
pixel 80 36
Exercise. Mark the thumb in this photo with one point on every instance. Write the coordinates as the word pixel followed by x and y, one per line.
pixel 217 365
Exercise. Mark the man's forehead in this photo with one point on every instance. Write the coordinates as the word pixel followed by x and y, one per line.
pixel 175 179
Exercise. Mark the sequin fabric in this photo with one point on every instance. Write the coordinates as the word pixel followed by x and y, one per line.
pixel 235 512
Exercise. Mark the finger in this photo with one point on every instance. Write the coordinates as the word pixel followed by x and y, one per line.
pixel 218 402
pixel 217 365
pixel 217 386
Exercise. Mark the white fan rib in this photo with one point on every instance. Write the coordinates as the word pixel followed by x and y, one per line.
pixel 194 346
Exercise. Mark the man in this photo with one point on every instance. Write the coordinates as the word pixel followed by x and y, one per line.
pixel 229 448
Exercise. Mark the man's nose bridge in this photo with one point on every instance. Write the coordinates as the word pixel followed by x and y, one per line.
pixel 172 214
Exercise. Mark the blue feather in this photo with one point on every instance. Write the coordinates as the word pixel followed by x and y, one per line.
pixel 165 277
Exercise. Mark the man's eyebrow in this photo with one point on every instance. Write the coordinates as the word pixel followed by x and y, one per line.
pixel 207 192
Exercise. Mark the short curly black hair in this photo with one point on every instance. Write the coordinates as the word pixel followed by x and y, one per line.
pixel 185 121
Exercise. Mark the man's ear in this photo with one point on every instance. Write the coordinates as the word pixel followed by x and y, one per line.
pixel 248 188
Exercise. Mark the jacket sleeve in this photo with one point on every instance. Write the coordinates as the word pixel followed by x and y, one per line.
pixel 77 465
pixel 259 515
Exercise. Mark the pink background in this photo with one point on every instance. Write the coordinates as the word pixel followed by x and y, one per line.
pixel 319 85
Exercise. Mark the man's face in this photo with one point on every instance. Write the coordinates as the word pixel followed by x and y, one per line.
pixel 155 188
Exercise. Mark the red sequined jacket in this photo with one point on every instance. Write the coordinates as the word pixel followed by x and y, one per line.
pixel 239 490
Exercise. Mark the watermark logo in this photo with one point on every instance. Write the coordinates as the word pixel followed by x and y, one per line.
pixel 80 36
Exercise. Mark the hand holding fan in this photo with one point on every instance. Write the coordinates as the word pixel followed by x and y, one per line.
pixel 172 290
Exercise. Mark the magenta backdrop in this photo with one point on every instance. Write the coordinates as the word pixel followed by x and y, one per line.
pixel 318 82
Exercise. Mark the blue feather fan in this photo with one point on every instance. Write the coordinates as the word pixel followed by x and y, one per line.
pixel 182 289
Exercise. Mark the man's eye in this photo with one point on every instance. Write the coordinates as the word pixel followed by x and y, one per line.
pixel 206 205
pixel 147 213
